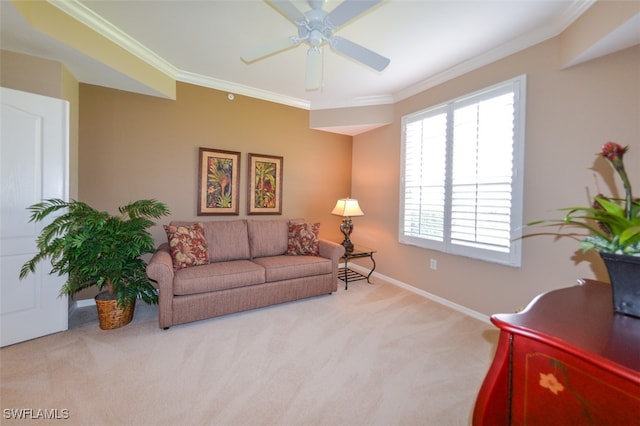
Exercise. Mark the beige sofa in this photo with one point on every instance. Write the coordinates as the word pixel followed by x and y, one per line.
pixel 251 264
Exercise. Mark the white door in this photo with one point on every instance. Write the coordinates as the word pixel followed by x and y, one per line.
pixel 33 166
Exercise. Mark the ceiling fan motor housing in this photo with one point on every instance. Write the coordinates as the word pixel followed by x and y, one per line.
pixel 315 29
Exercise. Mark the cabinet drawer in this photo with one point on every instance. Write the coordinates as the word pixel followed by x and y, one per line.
pixel 552 387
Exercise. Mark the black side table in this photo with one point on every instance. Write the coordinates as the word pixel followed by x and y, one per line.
pixel 346 274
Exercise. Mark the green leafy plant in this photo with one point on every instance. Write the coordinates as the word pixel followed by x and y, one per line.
pixel 613 223
pixel 94 248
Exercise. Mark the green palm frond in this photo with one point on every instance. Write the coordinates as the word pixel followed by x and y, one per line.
pixel 93 248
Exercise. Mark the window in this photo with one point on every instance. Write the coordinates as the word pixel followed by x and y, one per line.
pixel 461 183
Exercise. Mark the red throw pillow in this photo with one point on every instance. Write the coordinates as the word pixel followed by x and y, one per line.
pixel 303 239
pixel 188 245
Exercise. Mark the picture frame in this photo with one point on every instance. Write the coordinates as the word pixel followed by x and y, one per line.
pixel 265 184
pixel 218 182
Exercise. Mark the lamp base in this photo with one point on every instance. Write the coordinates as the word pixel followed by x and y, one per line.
pixel 348 246
pixel 346 228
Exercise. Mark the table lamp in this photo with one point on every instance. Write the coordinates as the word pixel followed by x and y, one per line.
pixel 347 207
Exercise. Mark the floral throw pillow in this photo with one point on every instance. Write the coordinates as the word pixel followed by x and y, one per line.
pixel 187 245
pixel 303 239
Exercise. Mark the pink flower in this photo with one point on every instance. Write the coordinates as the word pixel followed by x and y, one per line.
pixel 549 381
pixel 613 151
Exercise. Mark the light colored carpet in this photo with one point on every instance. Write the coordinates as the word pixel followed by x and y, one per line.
pixel 372 355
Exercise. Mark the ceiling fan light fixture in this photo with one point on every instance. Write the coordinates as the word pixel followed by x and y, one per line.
pixel 315 38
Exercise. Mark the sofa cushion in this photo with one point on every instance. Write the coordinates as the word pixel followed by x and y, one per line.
pixel 279 268
pixel 303 239
pixel 228 240
pixel 187 245
pixel 268 237
pixel 217 276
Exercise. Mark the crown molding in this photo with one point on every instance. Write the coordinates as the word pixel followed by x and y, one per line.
pixel 240 89
pixel 83 14
pixel 361 101
pixel 94 21
pixel 578 7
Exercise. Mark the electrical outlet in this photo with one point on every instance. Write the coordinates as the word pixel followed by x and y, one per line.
pixel 434 264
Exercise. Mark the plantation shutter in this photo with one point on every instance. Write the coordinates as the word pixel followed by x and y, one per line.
pixel 482 173
pixel 461 191
pixel 425 176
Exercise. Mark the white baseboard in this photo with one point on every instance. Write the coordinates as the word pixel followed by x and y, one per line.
pixel 77 304
pixel 469 312
pixel 83 303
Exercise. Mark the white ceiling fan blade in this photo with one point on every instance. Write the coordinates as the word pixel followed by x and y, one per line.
pixel 314 69
pixel 288 10
pixel 359 53
pixel 269 49
pixel 349 9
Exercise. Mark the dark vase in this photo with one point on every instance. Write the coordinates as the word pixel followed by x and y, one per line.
pixel 624 274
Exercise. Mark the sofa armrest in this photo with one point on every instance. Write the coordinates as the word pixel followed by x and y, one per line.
pixel 160 270
pixel 331 250
pixel 160 267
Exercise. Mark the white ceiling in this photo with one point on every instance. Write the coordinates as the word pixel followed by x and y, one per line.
pixel 200 42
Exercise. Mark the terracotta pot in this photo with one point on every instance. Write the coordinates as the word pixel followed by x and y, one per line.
pixel 624 274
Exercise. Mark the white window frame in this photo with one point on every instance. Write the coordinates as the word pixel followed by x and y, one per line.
pixel 512 257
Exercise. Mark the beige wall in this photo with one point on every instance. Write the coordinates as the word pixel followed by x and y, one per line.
pixel 47 78
pixel 30 74
pixel 135 146
pixel 570 114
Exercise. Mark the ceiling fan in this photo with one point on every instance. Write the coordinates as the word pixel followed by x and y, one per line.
pixel 316 28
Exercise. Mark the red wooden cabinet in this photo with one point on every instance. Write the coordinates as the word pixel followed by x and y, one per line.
pixel 567 359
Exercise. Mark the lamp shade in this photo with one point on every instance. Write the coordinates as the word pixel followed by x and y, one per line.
pixel 347 207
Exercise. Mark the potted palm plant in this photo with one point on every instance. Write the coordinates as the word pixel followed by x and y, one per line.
pixel 95 248
pixel 614 231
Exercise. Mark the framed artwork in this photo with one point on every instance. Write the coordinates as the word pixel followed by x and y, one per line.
pixel 218 181
pixel 265 184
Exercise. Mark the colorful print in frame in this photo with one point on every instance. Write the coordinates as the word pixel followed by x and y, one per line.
pixel 265 184
pixel 218 181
